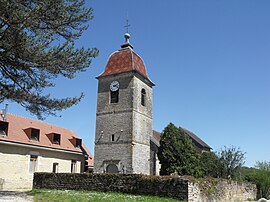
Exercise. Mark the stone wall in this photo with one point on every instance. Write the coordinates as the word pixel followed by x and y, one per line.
pixel 126 183
pixel 216 190
pixel 193 190
pixel 127 121
pixel 142 127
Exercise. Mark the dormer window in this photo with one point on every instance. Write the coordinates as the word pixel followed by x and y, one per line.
pixel 143 95
pixel 78 142
pixel 56 138
pixel 34 134
pixel 3 128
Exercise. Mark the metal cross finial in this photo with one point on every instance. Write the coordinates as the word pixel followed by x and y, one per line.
pixel 127 25
pixel 127 36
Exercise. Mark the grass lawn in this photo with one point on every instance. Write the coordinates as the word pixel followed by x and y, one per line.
pixel 44 195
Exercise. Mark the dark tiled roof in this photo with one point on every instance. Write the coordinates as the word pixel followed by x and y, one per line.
pixel 196 138
pixel 156 136
pixel 125 60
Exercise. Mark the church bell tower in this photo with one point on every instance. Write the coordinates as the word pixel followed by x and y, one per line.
pixel 124 114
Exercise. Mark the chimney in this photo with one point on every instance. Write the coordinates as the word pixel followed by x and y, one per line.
pixel 4 113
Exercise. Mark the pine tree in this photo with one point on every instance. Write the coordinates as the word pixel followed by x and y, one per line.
pixel 177 153
pixel 37 45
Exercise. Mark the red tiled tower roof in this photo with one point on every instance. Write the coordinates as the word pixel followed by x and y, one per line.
pixel 125 60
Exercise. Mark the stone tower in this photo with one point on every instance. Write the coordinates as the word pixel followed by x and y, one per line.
pixel 124 114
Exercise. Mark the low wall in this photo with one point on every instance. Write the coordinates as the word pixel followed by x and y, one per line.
pixel 216 190
pixel 173 187
pixel 191 189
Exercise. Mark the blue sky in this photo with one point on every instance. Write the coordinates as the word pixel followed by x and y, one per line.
pixel 210 61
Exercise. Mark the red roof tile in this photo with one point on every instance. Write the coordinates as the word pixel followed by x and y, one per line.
pixel 125 60
pixel 18 134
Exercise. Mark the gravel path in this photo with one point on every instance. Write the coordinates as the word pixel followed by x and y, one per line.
pixel 10 196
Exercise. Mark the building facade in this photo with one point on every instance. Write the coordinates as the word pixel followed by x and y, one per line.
pixel 28 146
pixel 125 141
pixel 124 114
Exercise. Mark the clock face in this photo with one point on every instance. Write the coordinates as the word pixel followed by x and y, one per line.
pixel 114 86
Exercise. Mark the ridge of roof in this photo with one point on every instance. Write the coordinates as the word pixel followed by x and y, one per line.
pixel 38 121
pixel 154 140
pixel 191 135
pixel 196 138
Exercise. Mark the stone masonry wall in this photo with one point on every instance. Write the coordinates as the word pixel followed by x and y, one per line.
pixel 129 122
pixel 127 183
pixel 216 190
pixel 142 127
pixel 182 188
pixel 140 160
pixel 114 119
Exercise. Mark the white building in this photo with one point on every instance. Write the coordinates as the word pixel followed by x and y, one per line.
pixel 28 146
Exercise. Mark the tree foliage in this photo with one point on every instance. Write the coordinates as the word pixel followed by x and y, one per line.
pixel 209 164
pixel 261 177
pixel 37 45
pixel 244 171
pixel 227 163
pixel 177 153
pixel 263 165
pixel 231 159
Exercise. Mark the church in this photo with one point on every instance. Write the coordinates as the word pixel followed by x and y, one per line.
pixel 124 140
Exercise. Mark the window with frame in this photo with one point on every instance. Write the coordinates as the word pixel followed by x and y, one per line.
pixel 143 96
pixel 3 128
pixel 55 167
pixel 34 134
pixel 33 163
pixel 73 166
pixel 56 138
pixel 114 96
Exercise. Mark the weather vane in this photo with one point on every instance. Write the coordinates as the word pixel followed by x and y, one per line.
pixel 127 25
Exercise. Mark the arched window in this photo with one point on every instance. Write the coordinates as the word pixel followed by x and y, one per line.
pixel 114 96
pixel 143 95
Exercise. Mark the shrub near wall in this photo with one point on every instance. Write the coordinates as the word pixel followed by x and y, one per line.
pixel 167 186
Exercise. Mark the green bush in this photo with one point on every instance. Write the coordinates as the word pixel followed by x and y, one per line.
pixel 177 153
pixel 262 179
